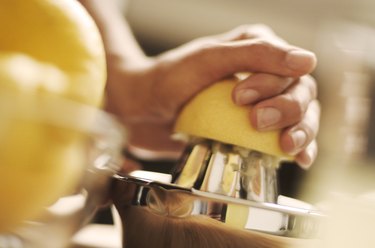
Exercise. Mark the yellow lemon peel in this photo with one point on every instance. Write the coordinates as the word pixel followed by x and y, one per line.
pixel 213 115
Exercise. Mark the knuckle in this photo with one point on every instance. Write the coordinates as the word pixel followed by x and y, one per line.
pixel 309 132
pixel 261 45
pixel 299 110
pixel 242 32
pixel 246 31
pixel 311 85
pixel 260 28
pixel 295 107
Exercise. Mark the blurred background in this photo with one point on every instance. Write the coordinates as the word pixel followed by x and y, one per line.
pixel 340 32
pixel 164 24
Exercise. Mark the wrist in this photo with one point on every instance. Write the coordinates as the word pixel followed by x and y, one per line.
pixel 128 87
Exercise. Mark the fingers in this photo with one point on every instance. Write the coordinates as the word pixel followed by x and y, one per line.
pixel 298 136
pixel 197 68
pixel 260 86
pixel 281 103
pixel 267 39
pixel 183 72
pixel 256 55
pixel 285 109
pixel 299 139
pixel 250 32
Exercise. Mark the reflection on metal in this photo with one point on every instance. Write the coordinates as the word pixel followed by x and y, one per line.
pixel 228 170
pixel 169 204
pixel 227 183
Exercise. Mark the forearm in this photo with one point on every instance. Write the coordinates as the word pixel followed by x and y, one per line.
pixel 119 42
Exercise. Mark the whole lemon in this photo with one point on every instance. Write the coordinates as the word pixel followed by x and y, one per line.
pixel 49 49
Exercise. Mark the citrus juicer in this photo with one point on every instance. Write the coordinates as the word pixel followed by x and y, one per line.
pixel 228 171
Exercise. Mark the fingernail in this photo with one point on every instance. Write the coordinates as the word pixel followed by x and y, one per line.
pixel 299 138
pixel 267 117
pixel 246 96
pixel 298 59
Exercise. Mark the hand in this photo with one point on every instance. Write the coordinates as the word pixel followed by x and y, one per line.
pixel 284 103
pixel 148 95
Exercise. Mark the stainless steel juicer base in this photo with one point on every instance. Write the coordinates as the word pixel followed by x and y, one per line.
pixel 174 201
